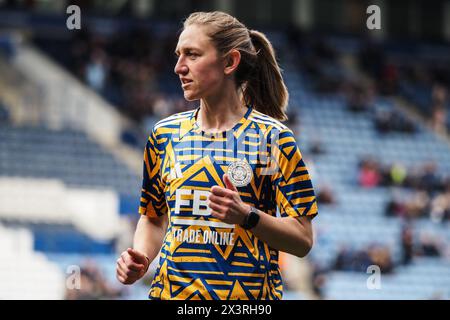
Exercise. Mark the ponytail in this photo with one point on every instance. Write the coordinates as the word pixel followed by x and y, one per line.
pixel 265 88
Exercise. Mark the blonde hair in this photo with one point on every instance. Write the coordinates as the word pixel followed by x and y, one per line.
pixel 258 73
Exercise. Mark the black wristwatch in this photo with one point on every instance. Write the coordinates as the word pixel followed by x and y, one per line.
pixel 251 220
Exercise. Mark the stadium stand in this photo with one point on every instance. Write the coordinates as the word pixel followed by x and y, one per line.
pixel 25 273
pixel 51 172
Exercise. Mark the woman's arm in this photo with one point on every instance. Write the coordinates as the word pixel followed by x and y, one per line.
pixel 133 263
pixel 149 235
pixel 291 235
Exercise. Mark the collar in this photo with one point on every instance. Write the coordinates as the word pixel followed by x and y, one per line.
pixel 191 124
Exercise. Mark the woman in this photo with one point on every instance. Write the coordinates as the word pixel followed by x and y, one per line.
pixel 215 176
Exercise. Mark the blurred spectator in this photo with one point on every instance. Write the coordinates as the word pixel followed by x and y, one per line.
pixel 417 205
pixel 4 114
pixel 343 259
pixel 92 285
pixel 409 205
pixel 360 97
pixel 360 260
pixel 389 121
pixel 295 37
pixel 429 245
pixel 388 84
pixel 369 173
pixel 438 107
pixel 317 147
pixel 297 273
pixel 383 121
pixel 439 119
pixel 326 195
pixel 396 206
pixel 440 206
pixel 380 255
pixel 428 180
pixel 394 175
pixel 318 280
pixel 422 177
pixel 407 245
pixel 96 70
pixel 398 174
pixel 371 59
pixel 374 61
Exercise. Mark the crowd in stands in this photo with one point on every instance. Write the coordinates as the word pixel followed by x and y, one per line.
pixel 323 64
pixel 129 68
pixel 424 81
pixel 392 121
pixel 359 260
pixel 418 192
pixel 126 68
pixel 92 285
pixel 425 244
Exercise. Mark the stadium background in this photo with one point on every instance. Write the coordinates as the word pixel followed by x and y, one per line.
pixel 369 109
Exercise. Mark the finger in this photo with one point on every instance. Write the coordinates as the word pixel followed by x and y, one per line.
pixel 216 207
pixel 220 200
pixel 217 215
pixel 122 266
pixel 120 278
pixel 130 273
pixel 126 258
pixel 136 255
pixel 127 271
pixel 121 274
pixel 132 265
pixel 228 183
pixel 222 192
pixel 136 267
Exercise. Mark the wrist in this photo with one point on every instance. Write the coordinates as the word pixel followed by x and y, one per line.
pixel 251 219
pixel 247 209
pixel 148 263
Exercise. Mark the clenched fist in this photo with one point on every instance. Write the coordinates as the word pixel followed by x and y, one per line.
pixel 131 266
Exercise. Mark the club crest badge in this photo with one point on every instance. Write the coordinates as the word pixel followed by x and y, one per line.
pixel 240 173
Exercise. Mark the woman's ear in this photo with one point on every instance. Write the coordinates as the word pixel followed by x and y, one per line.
pixel 232 60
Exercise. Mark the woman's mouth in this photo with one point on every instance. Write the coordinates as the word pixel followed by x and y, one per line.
pixel 185 82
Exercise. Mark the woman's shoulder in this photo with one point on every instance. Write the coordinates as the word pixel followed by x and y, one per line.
pixel 267 122
pixel 274 130
pixel 173 121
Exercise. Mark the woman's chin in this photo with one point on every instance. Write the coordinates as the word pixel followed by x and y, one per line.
pixel 189 96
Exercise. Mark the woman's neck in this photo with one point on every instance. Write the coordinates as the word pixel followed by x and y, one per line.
pixel 220 113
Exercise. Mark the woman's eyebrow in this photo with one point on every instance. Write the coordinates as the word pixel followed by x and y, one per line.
pixel 177 51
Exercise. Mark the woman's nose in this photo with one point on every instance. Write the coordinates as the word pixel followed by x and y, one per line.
pixel 180 68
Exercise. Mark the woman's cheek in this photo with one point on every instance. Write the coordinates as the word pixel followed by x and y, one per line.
pixel 212 80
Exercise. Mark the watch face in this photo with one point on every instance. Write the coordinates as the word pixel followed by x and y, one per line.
pixel 253 218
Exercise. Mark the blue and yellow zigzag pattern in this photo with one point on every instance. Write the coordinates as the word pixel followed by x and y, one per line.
pixel 181 163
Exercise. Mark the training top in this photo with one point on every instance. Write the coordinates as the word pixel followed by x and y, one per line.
pixel 201 256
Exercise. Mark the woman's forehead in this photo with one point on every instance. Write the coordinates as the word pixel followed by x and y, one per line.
pixel 193 37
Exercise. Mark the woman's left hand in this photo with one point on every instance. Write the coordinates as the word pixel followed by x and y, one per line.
pixel 226 203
